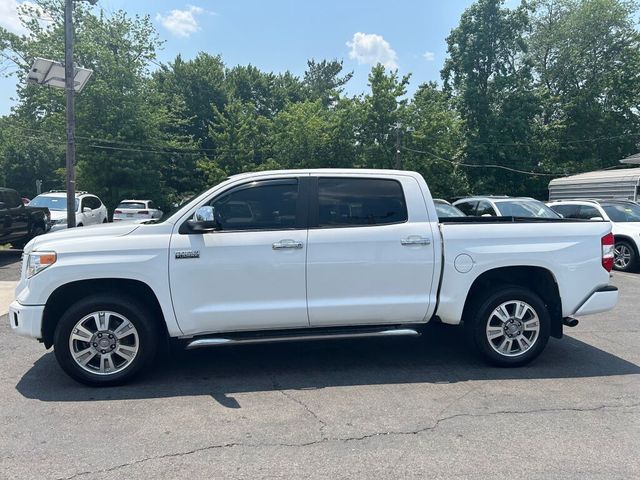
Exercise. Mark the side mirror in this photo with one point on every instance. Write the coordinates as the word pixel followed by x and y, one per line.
pixel 204 220
pixel 87 210
pixel 596 219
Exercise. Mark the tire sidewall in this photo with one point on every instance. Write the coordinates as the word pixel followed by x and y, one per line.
pixel 133 311
pixel 481 316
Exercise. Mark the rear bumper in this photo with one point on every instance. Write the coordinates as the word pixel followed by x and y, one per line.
pixel 26 320
pixel 603 299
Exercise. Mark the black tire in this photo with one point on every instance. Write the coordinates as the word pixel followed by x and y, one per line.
pixel 625 257
pixel 105 220
pixel 136 313
pixel 480 314
pixel 79 225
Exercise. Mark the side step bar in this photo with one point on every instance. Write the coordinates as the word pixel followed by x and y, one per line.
pixel 221 341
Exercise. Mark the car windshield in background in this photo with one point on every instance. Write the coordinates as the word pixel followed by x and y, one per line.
pixel 622 212
pixel 132 205
pixel 52 203
pixel 446 211
pixel 525 208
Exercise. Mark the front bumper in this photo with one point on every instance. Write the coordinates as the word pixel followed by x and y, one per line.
pixel 602 300
pixel 26 320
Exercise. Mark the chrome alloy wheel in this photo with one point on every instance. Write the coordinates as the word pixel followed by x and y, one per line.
pixel 104 343
pixel 622 256
pixel 513 328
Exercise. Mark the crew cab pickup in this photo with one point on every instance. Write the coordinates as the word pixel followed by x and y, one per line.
pixel 307 255
pixel 20 223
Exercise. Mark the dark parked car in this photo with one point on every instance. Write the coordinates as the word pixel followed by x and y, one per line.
pixel 19 223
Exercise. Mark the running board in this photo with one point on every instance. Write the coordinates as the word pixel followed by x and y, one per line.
pixel 221 341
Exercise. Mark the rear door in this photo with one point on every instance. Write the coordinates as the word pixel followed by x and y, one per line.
pixel 370 252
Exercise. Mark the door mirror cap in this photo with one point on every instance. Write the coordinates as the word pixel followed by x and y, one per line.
pixel 204 220
pixel 596 219
pixel 87 210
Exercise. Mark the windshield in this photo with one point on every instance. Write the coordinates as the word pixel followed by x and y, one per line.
pixel 525 208
pixel 132 205
pixel 444 211
pixel 622 212
pixel 58 204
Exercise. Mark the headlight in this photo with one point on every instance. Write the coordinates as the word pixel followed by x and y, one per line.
pixel 38 261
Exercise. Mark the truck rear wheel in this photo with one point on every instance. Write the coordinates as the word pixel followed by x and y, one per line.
pixel 509 328
pixel 105 340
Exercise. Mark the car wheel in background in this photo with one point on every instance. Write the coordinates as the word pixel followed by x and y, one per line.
pixel 624 256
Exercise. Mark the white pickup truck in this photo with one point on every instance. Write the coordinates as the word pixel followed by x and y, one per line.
pixel 306 255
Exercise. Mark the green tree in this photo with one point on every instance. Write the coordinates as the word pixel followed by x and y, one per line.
pixel 489 76
pixel 119 124
pixel 323 80
pixel 435 140
pixel 382 111
pixel 586 57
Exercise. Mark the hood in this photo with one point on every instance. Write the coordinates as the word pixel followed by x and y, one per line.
pixel 81 234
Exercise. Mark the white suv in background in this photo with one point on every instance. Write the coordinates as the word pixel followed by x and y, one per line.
pixel 89 209
pixel 624 216
pixel 136 210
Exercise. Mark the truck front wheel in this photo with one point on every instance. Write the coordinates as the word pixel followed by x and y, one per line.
pixel 509 328
pixel 105 340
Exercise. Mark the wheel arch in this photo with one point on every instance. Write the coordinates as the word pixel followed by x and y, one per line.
pixel 65 295
pixel 538 279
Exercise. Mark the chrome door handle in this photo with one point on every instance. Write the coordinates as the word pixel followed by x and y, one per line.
pixel 282 244
pixel 415 240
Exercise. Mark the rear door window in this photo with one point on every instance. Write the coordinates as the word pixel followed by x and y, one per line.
pixel 356 202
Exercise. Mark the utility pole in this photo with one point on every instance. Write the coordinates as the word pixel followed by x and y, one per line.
pixel 69 76
pixel 398 163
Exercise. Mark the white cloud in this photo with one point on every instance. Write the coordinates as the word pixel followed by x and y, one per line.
pixel 372 49
pixel 10 15
pixel 429 56
pixel 9 18
pixel 182 23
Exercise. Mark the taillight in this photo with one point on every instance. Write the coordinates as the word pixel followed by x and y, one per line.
pixel 117 211
pixel 143 212
pixel 607 251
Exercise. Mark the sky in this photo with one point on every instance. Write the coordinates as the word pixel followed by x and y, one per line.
pixel 280 35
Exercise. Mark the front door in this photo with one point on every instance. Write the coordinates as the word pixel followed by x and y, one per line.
pixel 370 256
pixel 250 274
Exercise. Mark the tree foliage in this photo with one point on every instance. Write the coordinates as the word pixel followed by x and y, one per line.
pixel 548 86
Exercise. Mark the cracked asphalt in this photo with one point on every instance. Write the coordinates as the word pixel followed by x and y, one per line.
pixel 381 408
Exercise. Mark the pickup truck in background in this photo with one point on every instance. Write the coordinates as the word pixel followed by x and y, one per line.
pixel 307 255
pixel 20 223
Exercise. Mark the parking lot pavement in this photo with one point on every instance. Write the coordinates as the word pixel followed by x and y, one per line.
pixel 384 408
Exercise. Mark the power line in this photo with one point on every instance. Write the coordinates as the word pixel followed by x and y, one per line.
pixel 472 165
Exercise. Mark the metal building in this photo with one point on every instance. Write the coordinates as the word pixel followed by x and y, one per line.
pixel 620 184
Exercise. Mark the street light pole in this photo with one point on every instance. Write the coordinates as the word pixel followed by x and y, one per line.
pixel 69 73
